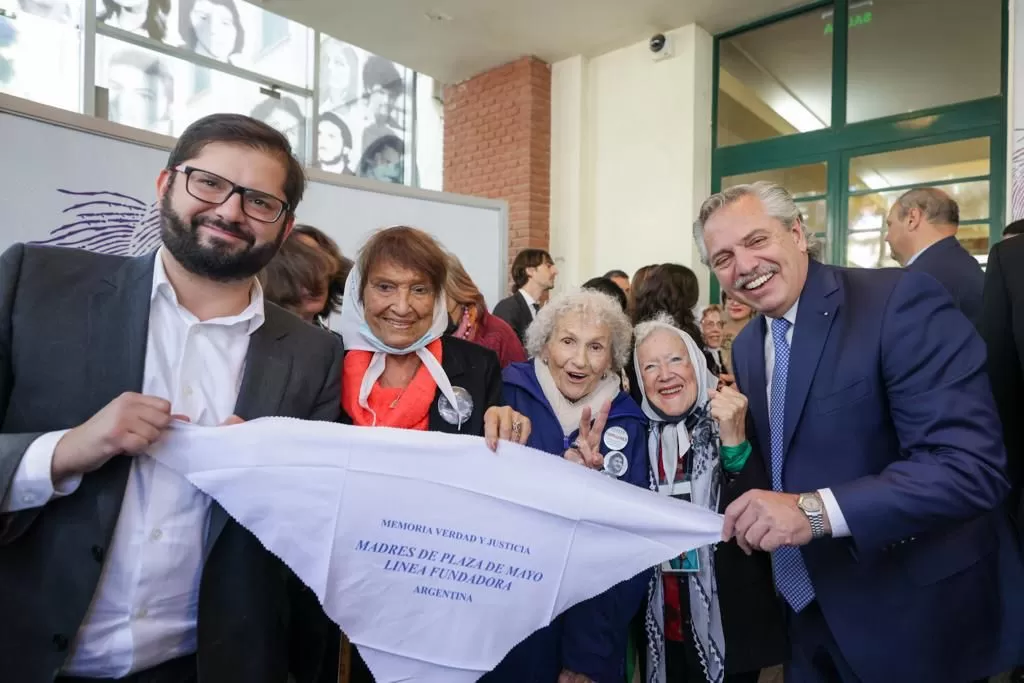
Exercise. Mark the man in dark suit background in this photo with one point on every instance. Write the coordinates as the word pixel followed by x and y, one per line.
pixel 533 274
pixel 889 546
pixel 112 567
pixel 922 227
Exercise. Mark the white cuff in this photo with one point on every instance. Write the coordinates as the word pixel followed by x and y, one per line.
pixel 32 486
pixel 835 514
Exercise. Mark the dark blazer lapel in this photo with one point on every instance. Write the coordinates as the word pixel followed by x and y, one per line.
pixel 117 325
pixel 267 366
pixel 455 368
pixel 819 303
pixel 757 391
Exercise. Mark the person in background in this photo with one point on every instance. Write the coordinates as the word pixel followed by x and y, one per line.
pixel 384 160
pixel 400 370
pixel 578 343
pixel 533 274
pixel 874 415
pixel 620 278
pixel 471 321
pixel 737 315
pixel 711 327
pixel 699 452
pixel 284 114
pixel 608 286
pixel 147 17
pixel 638 278
pixel 298 279
pixel 672 289
pixel 922 227
pixel 334 144
pixel 1013 229
pixel 116 568
pixel 316 237
pixel 212 28
pixel 1002 327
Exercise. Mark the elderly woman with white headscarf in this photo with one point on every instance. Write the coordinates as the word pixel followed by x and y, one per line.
pixel 710 597
pixel 399 369
pixel 572 393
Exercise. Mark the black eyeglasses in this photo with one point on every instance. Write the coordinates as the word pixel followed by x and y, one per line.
pixel 214 189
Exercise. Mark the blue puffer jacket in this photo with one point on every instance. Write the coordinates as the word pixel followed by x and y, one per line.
pixel 589 638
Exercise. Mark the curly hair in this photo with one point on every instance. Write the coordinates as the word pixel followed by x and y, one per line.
pixel 593 307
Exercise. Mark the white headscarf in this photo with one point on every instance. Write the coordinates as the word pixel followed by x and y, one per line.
pixel 672 439
pixel 357 336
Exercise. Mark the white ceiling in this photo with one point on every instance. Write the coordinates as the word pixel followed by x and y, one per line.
pixel 477 35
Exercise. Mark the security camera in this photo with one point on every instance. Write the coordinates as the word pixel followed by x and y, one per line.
pixel 657 42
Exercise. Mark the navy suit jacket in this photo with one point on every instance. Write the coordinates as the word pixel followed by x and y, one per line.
pixel 888 404
pixel 960 273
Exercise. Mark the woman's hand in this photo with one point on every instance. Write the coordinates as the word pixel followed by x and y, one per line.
pixel 587 450
pixel 503 423
pixel 569 677
pixel 729 408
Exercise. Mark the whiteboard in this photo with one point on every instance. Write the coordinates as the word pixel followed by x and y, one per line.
pixel 73 180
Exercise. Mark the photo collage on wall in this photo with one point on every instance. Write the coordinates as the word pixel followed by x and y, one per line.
pixel 363 117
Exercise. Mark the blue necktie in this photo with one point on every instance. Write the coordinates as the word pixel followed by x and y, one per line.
pixel 791 577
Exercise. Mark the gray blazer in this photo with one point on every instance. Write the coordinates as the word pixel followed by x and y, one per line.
pixel 73 328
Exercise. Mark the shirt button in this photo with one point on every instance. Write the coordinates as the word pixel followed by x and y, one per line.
pixel 60 642
pixel 141 614
pixel 156 535
pixel 28 498
pixel 97 553
pixel 187 391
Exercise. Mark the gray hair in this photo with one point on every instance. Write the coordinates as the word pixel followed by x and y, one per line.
pixel 937 206
pixel 644 329
pixel 592 306
pixel 777 202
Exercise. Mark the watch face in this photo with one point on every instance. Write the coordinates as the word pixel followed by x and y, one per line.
pixel 810 503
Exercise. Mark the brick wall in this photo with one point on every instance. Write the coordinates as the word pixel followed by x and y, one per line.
pixel 497 144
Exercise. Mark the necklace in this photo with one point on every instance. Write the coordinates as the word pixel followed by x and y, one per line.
pixel 398 398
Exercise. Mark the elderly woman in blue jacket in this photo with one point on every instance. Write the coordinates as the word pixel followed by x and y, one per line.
pixel 572 394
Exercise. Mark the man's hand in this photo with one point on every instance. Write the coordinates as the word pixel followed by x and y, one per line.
pixel 729 409
pixel 503 423
pixel 588 443
pixel 569 677
pixel 128 424
pixel 766 520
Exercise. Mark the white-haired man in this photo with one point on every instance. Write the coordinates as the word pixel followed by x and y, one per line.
pixel 889 545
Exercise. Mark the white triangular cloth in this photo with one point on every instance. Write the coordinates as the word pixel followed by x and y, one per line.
pixel 396 531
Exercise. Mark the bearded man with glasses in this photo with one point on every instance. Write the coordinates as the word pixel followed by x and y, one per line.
pixel 112 568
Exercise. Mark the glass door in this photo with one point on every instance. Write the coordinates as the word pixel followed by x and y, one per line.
pixel 875 179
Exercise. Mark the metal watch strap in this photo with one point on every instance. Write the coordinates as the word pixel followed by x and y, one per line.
pixel 817 524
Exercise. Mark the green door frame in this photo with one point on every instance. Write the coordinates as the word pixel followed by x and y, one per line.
pixel 837 144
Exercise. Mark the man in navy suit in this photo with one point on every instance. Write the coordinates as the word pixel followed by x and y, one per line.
pixel 922 227
pixel 871 407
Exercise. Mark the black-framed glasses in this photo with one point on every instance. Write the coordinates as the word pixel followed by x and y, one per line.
pixel 214 189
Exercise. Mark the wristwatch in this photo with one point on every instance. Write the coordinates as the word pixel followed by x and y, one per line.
pixel 812 507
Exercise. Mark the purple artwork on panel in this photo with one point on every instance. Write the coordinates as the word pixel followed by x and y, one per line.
pixel 107 222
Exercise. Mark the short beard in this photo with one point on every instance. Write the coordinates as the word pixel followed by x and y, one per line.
pixel 213 262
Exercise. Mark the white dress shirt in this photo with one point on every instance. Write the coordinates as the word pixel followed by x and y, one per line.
pixel 145 608
pixel 835 514
pixel 530 301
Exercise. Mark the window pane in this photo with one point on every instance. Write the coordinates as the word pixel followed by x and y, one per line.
pixel 40 58
pixel 815 215
pixel 809 180
pixel 776 80
pixel 364 105
pixel 908 55
pixel 226 30
pixel 163 94
pixel 921 165
pixel 866 245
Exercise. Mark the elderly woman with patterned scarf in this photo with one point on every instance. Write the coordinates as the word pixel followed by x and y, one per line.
pixel 712 614
pixel 399 369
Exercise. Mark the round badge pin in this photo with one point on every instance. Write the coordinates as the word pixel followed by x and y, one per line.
pixel 616 438
pixel 615 464
pixel 461 412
